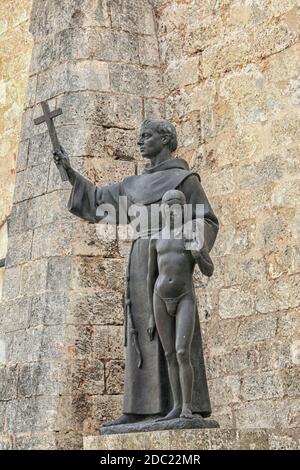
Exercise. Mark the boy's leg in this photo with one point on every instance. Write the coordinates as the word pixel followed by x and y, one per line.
pixel 185 323
pixel 166 329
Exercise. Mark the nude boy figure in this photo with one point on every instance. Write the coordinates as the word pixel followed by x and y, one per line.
pixel 171 296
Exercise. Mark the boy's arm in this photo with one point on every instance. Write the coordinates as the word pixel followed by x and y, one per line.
pixel 151 278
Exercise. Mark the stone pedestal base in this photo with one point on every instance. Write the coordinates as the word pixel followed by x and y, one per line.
pixel 195 439
pixel 150 425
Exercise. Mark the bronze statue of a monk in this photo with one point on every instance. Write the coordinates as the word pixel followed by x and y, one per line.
pixel 147 389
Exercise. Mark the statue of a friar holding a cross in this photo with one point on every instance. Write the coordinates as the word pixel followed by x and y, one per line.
pixel 148 388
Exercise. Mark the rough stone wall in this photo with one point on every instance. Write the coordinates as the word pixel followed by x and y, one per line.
pixel 61 313
pixel 229 73
pixel 15 53
pixel 232 86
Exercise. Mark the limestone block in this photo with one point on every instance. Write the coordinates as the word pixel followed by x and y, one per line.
pixel 34 277
pixel 227 333
pixel 295 352
pixel 39 441
pixel 257 329
pixel 278 442
pixel 59 270
pixel 37 414
pixel 279 295
pixel 40 149
pixel 96 308
pixel 98 273
pixel 278 8
pixel 53 240
pixel 11 284
pixel 31 182
pixel 15 314
pixel 274 39
pixel 6 444
pixel 232 240
pixel 57 17
pixel 202 34
pixel 84 376
pixel 78 341
pixel 290 381
pixel 30 92
pixel 114 377
pixel 285 132
pixel 254 439
pixel 261 414
pixel 273 355
pixel 271 230
pixel 288 323
pixel 261 173
pixel 207 303
pixel 77 44
pixel 39 379
pixel 121 144
pixel 34 213
pixel 43 55
pixel 286 195
pixel 261 386
pixel 235 302
pixel 8 381
pixel 244 271
pixel 108 342
pixel 37 343
pixel 154 109
pixel 137 81
pixel 182 73
pixel 19 249
pixel 73 76
pixel 226 55
pixel 100 109
pixel 22 155
pixel 224 390
pixel 48 309
pixel 2 416
pixel 148 50
pixel 219 183
pixel 106 408
pixel 240 359
pixel 129 15
pixel 284 64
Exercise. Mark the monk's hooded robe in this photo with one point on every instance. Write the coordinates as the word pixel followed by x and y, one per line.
pixel 147 390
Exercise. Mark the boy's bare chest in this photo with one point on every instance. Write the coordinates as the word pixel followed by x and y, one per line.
pixel 171 245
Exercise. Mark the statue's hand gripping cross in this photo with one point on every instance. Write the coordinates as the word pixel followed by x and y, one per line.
pixel 48 117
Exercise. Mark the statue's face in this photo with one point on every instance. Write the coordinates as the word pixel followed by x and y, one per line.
pixel 173 212
pixel 150 141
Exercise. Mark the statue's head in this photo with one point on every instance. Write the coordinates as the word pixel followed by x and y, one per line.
pixel 173 196
pixel 172 205
pixel 155 135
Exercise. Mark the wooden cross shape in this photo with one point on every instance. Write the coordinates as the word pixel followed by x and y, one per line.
pixel 48 117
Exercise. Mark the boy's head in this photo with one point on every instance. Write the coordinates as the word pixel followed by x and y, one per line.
pixel 173 196
pixel 173 202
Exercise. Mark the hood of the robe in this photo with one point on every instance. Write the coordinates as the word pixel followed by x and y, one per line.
pixel 155 181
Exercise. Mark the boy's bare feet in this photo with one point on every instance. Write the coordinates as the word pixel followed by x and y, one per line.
pixel 186 412
pixel 173 414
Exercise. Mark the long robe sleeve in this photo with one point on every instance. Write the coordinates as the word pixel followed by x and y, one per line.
pixel 195 194
pixel 93 203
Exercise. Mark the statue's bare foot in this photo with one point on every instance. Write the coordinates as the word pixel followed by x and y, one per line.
pixel 173 414
pixel 186 412
pixel 123 419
